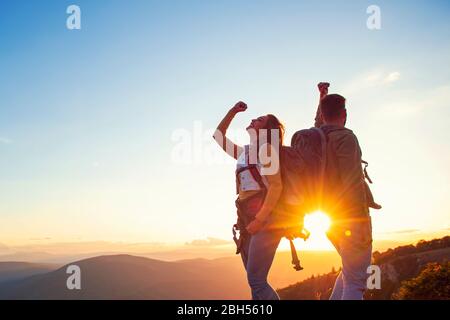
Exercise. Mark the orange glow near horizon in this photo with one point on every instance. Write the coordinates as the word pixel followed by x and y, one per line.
pixel 317 223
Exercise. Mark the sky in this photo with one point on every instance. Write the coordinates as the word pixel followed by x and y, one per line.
pixel 91 120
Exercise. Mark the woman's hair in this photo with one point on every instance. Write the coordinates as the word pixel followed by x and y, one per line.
pixel 274 123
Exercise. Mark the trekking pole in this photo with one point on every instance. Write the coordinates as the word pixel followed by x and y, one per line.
pixel 295 259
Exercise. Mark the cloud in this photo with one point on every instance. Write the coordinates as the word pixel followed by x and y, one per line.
pixel 209 242
pixel 40 239
pixel 405 105
pixel 375 87
pixel 370 80
pixel 402 231
pixel 96 164
pixel 392 77
pixel 4 140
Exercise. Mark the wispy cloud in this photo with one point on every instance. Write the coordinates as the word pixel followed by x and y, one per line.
pixel 207 242
pixel 4 140
pixel 430 99
pixel 405 231
pixel 370 80
pixel 402 102
pixel 392 77
pixel 40 239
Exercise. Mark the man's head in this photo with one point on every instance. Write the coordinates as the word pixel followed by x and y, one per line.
pixel 333 109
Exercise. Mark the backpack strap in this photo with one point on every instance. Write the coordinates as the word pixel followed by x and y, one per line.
pixel 253 169
pixel 366 175
pixel 323 143
pixel 257 176
pixel 323 158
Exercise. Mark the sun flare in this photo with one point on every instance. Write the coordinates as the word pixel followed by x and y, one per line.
pixel 317 223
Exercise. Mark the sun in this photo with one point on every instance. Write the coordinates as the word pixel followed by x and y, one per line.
pixel 317 223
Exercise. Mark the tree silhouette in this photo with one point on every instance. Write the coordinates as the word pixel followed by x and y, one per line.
pixel 433 283
pixel 404 272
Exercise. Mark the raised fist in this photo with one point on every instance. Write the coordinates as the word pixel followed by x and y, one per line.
pixel 323 88
pixel 239 107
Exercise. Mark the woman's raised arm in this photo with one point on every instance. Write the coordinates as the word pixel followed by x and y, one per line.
pixel 220 135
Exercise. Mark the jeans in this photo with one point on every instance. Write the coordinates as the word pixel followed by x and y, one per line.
pixel 355 249
pixel 258 252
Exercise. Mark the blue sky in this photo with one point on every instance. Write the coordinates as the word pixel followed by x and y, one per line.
pixel 86 116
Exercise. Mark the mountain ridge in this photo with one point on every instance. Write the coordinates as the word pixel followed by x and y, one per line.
pixel 126 276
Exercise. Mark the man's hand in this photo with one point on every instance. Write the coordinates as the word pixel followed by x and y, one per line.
pixel 255 226
pixel 323 89
pixel 239 107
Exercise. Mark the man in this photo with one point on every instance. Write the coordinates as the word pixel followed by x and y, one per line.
pixel 346 198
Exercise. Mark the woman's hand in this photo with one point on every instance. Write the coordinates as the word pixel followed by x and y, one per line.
pixel 255 226
pixel 239 107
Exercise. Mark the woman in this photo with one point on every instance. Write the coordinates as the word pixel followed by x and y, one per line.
pixel 258 195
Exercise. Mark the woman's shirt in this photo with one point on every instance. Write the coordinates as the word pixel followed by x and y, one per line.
pixel 248 186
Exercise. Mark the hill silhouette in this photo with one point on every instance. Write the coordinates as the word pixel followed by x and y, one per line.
pixel 133 277
pixel 10 271
pixel 397 267
pixel 130 277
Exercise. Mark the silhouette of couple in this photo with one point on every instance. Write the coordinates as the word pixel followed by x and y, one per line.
pixel 259 185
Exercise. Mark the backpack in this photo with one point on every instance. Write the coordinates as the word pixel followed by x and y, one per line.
pixel 303 171
pixel 302 168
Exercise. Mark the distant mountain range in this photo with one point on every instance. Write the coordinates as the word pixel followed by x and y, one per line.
pixel 65 252
pixel 397 266
pixel 130 277
pixel 133 277
pixel 10 271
